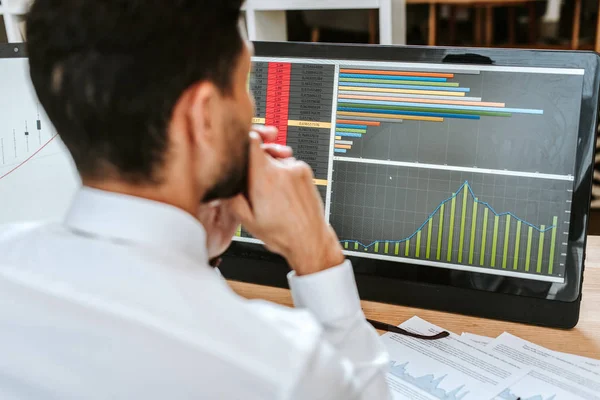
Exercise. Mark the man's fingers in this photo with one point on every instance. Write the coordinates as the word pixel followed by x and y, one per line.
pixel 257 155
pixel 277 150
pixel 267 133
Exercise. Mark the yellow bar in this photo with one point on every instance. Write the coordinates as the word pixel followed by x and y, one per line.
pixel 540 250
pixel 338 138
pixel 345 245
pixel 320 182
pixel 387 247
pixel 258 120
pixel 506 238
pixel 451 229
pixel 408 91
pixel 406 117
pixel 310 124
pixel 238 232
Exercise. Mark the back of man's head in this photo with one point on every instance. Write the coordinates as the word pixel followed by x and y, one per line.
pixel 109 73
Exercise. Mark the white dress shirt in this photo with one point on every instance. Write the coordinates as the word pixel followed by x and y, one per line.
pixel 119 302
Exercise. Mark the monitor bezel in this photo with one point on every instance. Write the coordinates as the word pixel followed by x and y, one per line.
pixel 437 288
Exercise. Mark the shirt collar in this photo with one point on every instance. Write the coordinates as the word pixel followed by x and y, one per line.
pixel 134 219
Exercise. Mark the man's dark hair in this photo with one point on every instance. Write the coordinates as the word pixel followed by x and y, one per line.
pixel 109 73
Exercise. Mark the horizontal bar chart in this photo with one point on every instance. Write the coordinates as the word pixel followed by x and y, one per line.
pixel 406 91
pixel 400 82
pixel 396 73
pixel 408 112
pixel 404 86
pixel 367 98
pixel 362 92
pixel 364 123
pixel 391 77
pixel 384 117
pixel 425 101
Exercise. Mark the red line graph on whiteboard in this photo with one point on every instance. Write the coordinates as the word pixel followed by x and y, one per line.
pixel 28 158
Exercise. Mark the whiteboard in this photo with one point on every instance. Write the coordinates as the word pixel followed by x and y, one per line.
pixel 37 175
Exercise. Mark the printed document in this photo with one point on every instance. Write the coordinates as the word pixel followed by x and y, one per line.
pixel 446 369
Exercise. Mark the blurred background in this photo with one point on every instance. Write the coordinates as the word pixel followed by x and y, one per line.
pixel 536 24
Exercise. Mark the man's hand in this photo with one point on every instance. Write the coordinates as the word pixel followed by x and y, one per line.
pixel 268 134
pixel 285 211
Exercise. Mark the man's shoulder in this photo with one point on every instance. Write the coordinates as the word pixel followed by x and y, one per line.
pixel 17 230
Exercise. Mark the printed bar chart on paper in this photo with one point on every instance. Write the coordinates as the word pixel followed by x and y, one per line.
pixel 480 221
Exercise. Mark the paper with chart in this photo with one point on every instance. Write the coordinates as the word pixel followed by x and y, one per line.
pixel 446 369
pixel 553 377
pixel 37 178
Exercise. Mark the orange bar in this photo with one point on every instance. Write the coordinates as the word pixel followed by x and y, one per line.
pixel 343 146
pixel 396 73
pixel 353 122
pixel 320 182
pixel 426 101
pixel 388 116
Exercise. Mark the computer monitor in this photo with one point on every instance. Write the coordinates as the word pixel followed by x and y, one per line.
pixel 456 179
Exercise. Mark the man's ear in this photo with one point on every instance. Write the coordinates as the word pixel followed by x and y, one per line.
pixel 201 112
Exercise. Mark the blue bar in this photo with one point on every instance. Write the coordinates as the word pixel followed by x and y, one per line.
pixel 416 113
pixel 339 150
pixel 451 107
pixel 393 77
pixel 349 126
pixel 414 87
pixel 347 134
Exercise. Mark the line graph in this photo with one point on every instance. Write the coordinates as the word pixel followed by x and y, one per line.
pixel 431 215
pixel 465 186
pixel 428 383
pixel 37 176
pixel 28 158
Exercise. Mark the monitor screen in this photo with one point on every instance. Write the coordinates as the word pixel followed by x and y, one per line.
pixel 461 167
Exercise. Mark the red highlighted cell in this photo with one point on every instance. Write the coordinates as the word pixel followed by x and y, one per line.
pixel 278 98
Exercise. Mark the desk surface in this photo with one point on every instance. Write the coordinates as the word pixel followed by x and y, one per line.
pixel 583 340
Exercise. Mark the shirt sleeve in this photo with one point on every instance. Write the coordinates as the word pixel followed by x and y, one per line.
pixel 350 361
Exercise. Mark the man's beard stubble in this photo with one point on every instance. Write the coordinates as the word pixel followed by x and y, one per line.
pixel 234 180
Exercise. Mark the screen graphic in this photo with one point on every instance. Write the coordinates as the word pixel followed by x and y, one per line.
pixel 465 167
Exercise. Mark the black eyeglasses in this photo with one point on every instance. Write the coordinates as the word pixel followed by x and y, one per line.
pixel 394 329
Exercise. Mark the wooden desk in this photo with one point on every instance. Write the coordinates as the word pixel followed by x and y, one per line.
pixel 583 340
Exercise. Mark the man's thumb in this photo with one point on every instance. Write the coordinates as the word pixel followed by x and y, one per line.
pixel 242 209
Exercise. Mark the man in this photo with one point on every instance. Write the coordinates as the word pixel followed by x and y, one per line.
pixel 119 301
